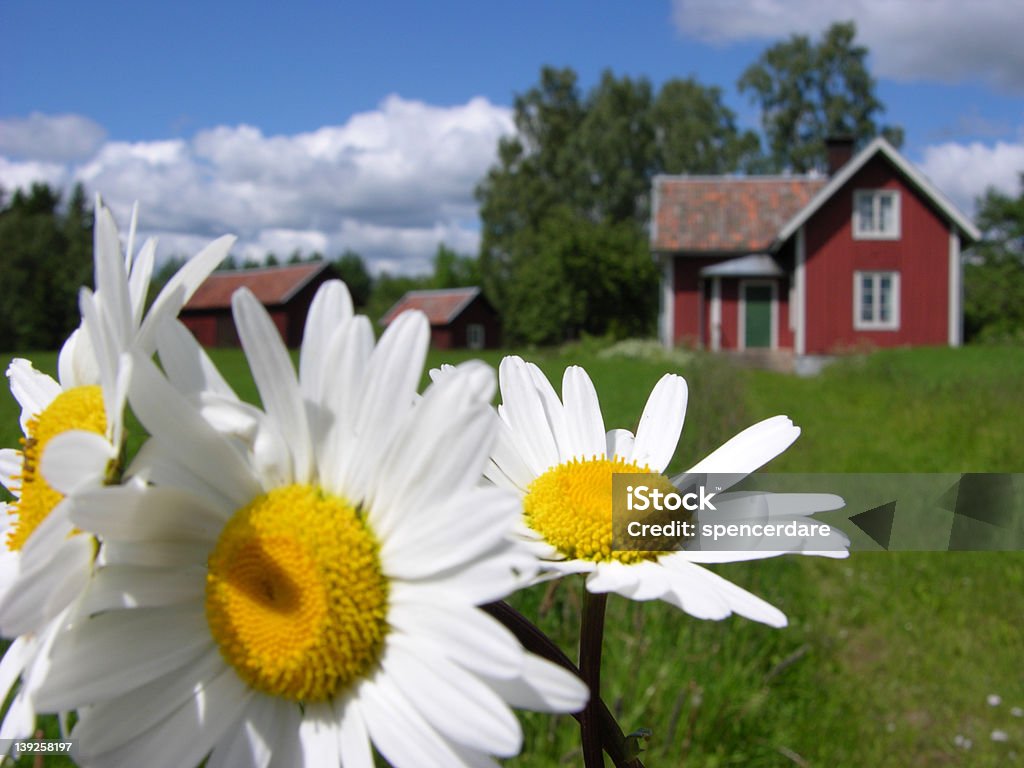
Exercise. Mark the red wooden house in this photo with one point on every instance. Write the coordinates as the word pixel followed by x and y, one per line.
pixel 869 255
pixel 285 291
pixel 460 318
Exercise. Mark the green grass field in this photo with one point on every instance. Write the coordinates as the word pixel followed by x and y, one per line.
pixel 888 658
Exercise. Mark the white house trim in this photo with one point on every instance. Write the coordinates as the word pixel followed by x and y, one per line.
pixel 915 177
pixel 956 319
pixel 799 308
pixel 701 322
pixel 874 195
pixel 893 324
pixel 741 336
pixel 668 301
pixel 716 314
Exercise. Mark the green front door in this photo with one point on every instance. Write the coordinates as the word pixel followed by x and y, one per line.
pixel 757 300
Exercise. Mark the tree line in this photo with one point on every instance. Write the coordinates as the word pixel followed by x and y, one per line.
pixel 564 210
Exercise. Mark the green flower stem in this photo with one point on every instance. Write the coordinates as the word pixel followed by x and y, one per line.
pixel 535 641
pixel 591 640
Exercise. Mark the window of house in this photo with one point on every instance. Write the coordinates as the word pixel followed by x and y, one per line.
pixel 475 336
pixel 876 301
pixel 876 214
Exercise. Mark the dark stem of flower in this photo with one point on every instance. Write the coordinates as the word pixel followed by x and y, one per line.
pixel 591 640
pixel 535 641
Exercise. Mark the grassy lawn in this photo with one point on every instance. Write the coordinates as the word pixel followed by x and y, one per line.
pixel 888 657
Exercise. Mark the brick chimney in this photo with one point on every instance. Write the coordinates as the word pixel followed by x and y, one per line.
pixel 839 150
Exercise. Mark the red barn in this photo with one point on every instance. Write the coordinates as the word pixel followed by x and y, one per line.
pixel 285 291
pixel 810 265
pixel 460 318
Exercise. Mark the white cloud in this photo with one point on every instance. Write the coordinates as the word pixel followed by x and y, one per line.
pixel 390 184
pixel 964 171
pixel 21 175
pixel 54 138
pixel 940 40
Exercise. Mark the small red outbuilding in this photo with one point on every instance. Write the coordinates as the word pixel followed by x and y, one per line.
pixel 869 255
pixel 285 291
pixel 460 318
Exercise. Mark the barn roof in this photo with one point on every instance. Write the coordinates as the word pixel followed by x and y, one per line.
pixel 726 213
pixel 271 285
pixel 441 306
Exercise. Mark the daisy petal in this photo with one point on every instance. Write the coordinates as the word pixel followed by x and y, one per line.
pixel 187 735
pixel 255 738
pixel 399 732
pixel 208 454
pixel 20 719
pixel 76 459
pixel 318 735
pixel 750 449
pixel 523 407
pixel 33 390
pixel 136 512
pixel 37 600
pixel 620 444
pixel 330 310
pixel 467 635
pixel 103 727
pixel 661 423
pixel 186 363
pixel 287 749
pixel 136 587
pixel 275 378
pixel 126 649
pixel 454 532
pixel 553 410
pixel 694 582
pixel 10 468
pixel 353 740
pixel 454 701
pixel 543 687
pixel 584 422
pixel 111 279
pixel 17 655
pixel 179 289
pixel 138 280
pixel 76 364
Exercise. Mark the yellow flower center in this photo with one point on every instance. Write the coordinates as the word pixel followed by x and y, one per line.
pixel 295 596
pixel 570 505
pixel 77 408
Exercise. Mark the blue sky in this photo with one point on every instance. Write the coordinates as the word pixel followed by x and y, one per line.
pixel 332 125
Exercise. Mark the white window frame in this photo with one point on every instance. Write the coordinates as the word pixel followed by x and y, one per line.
pixel 476 336
pixel 876 195
pixel 876 324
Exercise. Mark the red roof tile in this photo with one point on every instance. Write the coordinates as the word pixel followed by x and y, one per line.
pixel 707 213
pixel 271 285
pixel 440 306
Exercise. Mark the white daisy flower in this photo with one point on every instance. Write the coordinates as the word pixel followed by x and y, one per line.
pixel 298 583
pixel 557 455
pixel 73 435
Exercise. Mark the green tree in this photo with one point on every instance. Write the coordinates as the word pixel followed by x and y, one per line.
pixel 352 269
pixel 808 91
pixel 453 270
pixel 994 271
pixel 45 257
pixel 695 132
